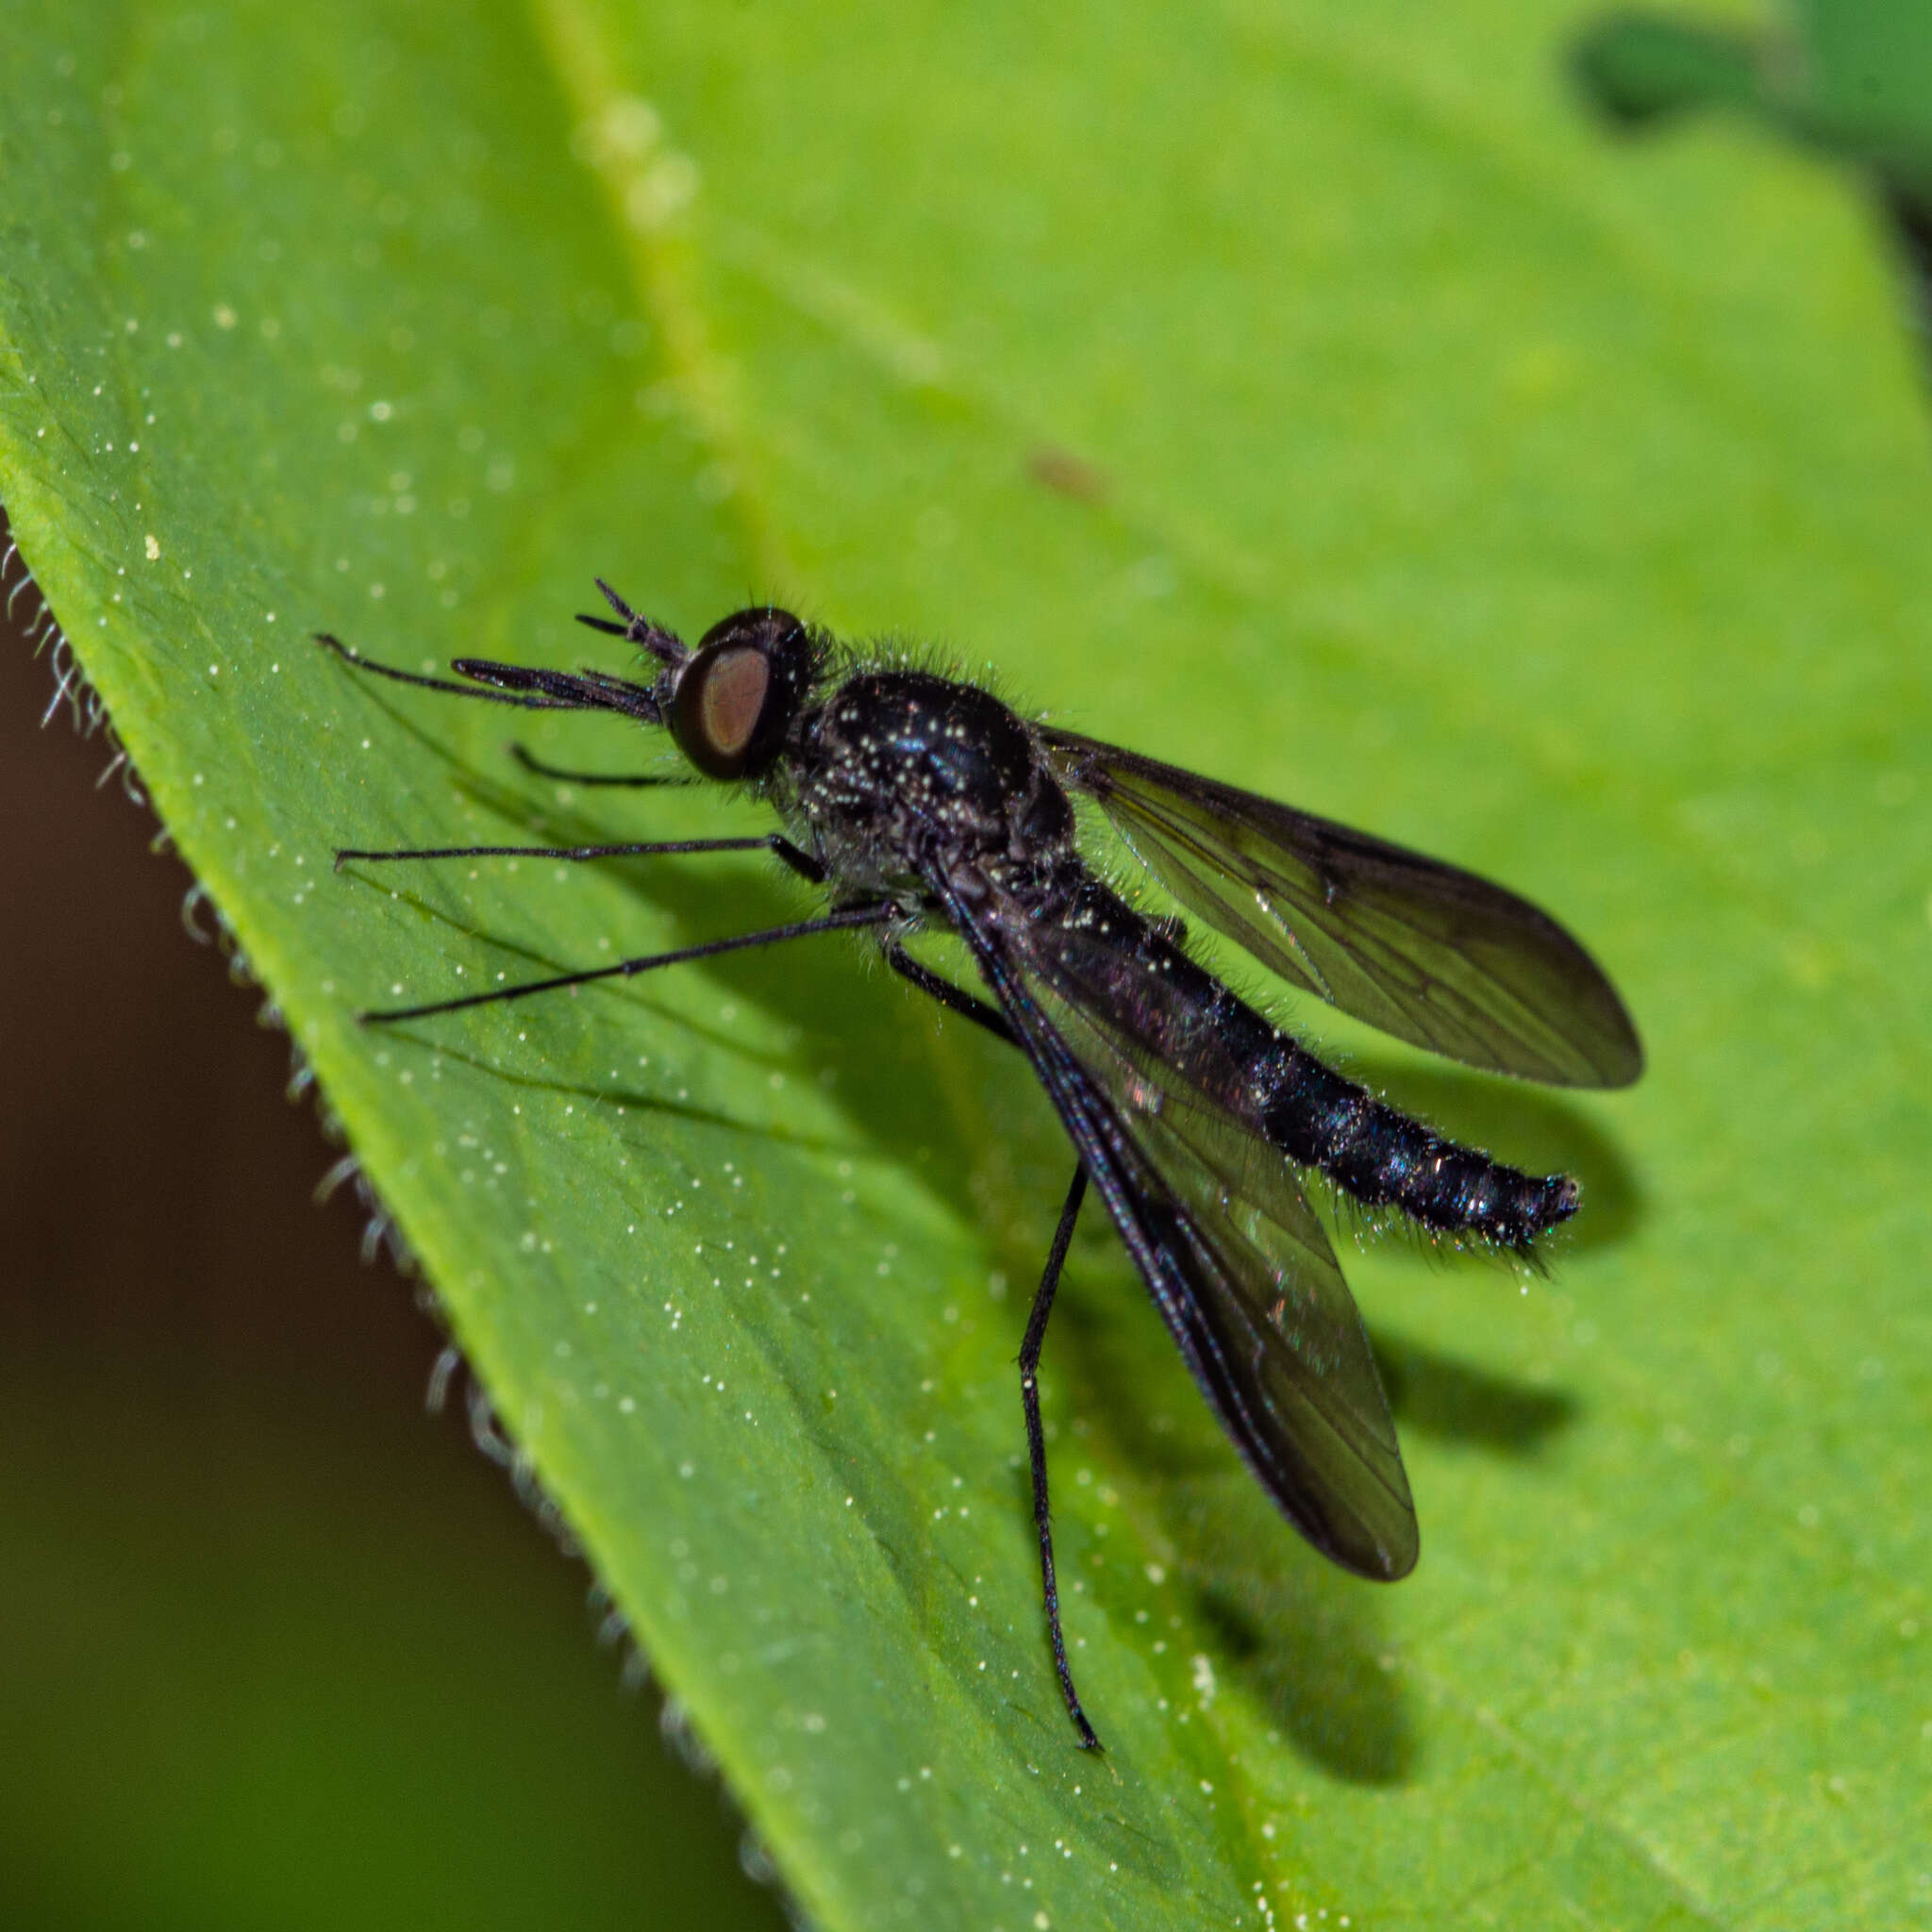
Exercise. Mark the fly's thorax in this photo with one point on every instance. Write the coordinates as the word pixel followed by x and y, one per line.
pixel 899 771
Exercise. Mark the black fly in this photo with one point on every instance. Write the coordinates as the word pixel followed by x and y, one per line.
pixel 914 799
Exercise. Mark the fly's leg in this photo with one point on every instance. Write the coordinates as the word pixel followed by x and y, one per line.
pixel 807 867
pixel 947 994
pixel 841 920
pixel 1036 1447
pixel 532 763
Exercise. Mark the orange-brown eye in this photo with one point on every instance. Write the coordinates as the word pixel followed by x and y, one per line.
pixel 720 706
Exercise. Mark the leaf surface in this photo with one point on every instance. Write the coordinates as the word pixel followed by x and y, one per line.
pixel 1307 398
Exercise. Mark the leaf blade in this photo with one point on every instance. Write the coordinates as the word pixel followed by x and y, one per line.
pixel 1422 564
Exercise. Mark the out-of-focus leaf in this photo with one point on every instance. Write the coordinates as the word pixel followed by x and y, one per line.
pixel 1851 79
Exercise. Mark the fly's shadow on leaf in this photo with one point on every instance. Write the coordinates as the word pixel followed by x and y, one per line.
pixel 1435 1394
pixel 1303 1640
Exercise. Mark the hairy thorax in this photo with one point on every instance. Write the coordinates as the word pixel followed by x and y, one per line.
pixel 909 776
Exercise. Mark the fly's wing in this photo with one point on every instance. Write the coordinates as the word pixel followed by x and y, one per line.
pixel 1423 950
pixel 1226 1241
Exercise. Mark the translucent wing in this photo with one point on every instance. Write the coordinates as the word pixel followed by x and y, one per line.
pixel 1225 1238
pixel 1423 950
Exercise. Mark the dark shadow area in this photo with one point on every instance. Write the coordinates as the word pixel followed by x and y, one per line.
pixel 1301 1633
pixel 1911 214
pixel 1435 1394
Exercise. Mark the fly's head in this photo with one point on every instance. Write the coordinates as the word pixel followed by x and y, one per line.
pixel 731 702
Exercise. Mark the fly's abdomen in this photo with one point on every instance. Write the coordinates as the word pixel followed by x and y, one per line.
pixel 1178 1011
pixel 1384 1158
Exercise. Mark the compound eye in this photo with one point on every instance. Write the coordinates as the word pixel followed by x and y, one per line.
pixel 720 703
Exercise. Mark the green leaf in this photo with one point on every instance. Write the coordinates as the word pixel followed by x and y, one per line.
pixel 1301 396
